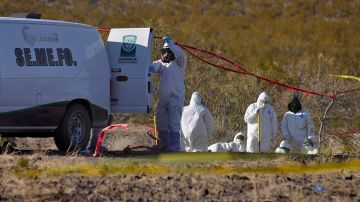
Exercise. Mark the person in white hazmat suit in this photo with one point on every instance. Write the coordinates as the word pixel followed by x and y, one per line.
pixel 260 115
pixel 297 128
pixel 197 125
pixel 171 92
pixel 237 145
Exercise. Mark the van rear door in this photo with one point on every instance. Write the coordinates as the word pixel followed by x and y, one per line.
pixel 129 51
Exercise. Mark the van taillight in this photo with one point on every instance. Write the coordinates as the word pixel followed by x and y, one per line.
pixel 121 78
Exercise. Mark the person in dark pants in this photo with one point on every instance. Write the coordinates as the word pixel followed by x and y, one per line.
pixel 171 91
pixel 94 134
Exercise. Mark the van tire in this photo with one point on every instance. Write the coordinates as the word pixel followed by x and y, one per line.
pixel 74 131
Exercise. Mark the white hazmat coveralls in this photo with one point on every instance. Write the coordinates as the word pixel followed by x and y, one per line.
pixel 197 125
pixel 296 127
pixel 268 124
pixel 237 145
pixel 171 92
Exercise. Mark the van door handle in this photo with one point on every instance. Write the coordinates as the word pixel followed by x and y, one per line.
pixel 115 69
pixel 121 78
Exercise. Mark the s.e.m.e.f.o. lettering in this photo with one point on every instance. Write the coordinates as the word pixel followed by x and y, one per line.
pixel 44 57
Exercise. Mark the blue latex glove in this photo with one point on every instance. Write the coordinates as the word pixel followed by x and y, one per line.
pixel 167 39
pixel 152 68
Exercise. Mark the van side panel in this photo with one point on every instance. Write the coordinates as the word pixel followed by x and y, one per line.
pixel 100 117
pixel 45 117
pixel 44 67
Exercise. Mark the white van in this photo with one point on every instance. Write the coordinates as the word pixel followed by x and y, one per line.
pixel 59 78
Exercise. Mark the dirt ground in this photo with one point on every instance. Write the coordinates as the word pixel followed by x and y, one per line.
pixel 183 185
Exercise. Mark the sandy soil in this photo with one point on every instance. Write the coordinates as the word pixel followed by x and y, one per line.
pixel 343 185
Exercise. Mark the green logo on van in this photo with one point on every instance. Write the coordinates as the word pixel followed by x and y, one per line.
pixel 128 47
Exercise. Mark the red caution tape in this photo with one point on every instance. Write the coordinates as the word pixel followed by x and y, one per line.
pixel 243 71
pixel 103 30
pixel 248 73
pixel 348 91
pixel 129 149
pixel 342 133
pixel 150 131
pixel 150 128
pixel 102 134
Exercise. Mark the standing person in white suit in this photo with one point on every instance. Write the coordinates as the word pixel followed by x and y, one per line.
pixel 260 115
pixel 197 125
pixel 298 128
pixel 171 91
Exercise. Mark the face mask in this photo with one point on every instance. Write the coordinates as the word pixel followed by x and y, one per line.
pixel 239 139
pixel 262 103
pixel 295 105
pixel 167 55
pixel 293 108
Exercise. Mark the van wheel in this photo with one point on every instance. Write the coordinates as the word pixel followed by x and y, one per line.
pixel 74 131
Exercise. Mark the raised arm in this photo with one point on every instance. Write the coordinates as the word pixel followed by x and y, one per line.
pixel 179 54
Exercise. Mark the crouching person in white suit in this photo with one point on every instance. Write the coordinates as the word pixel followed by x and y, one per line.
pixel 238 145
pixel 298 129
pixel 197 125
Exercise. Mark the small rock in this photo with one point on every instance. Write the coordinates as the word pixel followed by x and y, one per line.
pixel 245 178
pixel 206 192
pixel 349 177
pixel 352 194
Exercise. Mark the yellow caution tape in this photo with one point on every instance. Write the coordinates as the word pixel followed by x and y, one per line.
pixel 346 77
pixel 153 168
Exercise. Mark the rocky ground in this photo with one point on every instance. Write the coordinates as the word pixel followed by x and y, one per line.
pixel 342 184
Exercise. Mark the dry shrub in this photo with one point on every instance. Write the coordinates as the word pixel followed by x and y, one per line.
pixel 22 163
